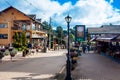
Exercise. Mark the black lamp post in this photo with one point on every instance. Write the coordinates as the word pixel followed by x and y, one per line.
pixel 68 66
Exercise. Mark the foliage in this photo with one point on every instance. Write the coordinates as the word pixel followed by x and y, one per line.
pixel 19 49
pixel 17 42
pixel 14 51
pixel 45 25
pixel 72 35
pixel 24 39
pixel 59 34
pixel 20 40
pixel 7 52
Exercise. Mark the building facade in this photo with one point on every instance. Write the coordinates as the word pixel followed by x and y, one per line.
pixel 12 20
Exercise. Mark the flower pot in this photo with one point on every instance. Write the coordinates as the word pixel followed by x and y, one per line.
pixel 1 56
pixel 12 55
pixel 24 53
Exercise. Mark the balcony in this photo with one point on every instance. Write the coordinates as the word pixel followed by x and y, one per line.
pixel 37 36
pixel 16 28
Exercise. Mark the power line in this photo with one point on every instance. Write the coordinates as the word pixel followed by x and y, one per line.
pixel 32 5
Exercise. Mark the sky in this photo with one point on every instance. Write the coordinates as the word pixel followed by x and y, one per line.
pixel 92 13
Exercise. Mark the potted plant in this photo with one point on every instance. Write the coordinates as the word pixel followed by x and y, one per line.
pixel 13 52
pixel 24 51
pixel 7 52
pixel 1 53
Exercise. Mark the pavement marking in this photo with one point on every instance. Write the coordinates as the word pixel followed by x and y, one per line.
pixel 63 68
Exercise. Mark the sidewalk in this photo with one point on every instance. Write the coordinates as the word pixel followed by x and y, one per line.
pixel 96 67
pixel 19 57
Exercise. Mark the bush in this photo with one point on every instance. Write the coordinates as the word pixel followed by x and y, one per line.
pixel 13 52
pixel 19 49
pixel 7 52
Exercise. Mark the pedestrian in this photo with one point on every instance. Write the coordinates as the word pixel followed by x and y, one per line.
pixel 88 48
pixel 29 47
pixel 83 48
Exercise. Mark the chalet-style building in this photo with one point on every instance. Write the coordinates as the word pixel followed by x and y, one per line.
pixel 104 32
pixel 12 20
pixel 107 39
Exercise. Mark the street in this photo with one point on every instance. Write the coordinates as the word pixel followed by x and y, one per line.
pixel 39 66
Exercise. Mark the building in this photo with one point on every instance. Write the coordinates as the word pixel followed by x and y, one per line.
pixel 104 30
pixel 107 38
pixel 12 20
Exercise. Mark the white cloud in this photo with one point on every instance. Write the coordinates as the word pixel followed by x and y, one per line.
pixel 88 12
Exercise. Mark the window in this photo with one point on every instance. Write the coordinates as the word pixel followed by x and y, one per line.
pixel 24 25
pixel 3 25
pixel 33 26
pixel 3 36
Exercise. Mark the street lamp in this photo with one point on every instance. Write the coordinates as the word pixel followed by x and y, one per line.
pixel 68 68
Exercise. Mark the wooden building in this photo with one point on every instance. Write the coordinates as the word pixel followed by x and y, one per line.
pixel 13 20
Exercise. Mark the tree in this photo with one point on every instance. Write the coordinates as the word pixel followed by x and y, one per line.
pixel 16 42
pixel 72 35
pixel 45 25
pixel 59 34
pixel 20 40
pixel 24 39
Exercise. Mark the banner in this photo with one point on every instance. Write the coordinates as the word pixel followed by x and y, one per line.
pixel 80 32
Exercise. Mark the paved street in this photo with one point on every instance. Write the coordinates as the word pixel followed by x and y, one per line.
pixel 96 67
pixel 40 66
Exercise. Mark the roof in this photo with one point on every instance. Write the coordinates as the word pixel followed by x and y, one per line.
pixel 33 17
pixel 114 29
pixel 108 38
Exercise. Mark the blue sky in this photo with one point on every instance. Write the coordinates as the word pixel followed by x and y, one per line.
pixel 92 13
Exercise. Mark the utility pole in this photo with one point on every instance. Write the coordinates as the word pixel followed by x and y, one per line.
pixel 49 35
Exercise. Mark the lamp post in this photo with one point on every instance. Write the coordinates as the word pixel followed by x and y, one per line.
pixel 68 66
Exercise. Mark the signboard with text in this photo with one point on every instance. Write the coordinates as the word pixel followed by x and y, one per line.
pixel 79 33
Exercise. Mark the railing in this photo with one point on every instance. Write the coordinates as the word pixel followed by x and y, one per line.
pixel 15 28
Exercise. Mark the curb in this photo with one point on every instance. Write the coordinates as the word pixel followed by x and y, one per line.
pixel 61 74
pixel 61 71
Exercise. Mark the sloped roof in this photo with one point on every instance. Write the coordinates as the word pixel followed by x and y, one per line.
pixel 33 17
pixel 11 7
pixel 105 29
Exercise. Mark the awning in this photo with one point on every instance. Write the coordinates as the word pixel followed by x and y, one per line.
pixel 107 38
pixel 93 39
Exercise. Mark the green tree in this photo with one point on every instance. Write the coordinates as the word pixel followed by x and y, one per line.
pixel 20 40
pixel 16 42
pixel 72 35
pixel 48 28
pixel 45 25
pixel 59 34
pixel 24 39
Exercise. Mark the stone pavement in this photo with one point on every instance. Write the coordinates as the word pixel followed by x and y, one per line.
pixel 93 66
